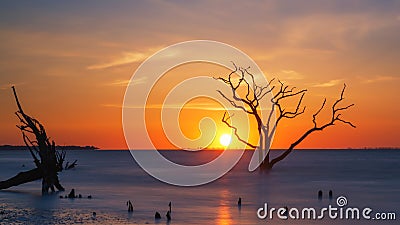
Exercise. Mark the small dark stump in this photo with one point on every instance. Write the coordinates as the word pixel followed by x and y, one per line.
pixel 72 194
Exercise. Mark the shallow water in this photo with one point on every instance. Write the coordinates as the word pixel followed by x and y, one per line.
pixel 368 178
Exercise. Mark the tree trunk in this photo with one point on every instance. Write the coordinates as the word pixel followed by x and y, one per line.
pixel 266 164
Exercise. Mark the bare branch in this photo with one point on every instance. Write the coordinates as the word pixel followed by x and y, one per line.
pixel 35 159
pixel 316 113
pixel 335 117
pixel 17 101
pixel 233 103
pixel 344 121
pixel 225 120
pixel 291 115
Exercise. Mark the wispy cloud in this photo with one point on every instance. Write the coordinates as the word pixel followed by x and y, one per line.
pixel 197 106
pixel 330 83
pixel 125 58
pixel 290 75
pixel 194 106
pixel 5 86
pixel 380 79
pixel 123 83
pixel 8 86
pixel 119 83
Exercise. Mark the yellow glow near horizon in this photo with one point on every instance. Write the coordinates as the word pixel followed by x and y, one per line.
pixel 225 139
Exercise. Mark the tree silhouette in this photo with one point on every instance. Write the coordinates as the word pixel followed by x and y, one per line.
pixel 242 79
pixel 47 159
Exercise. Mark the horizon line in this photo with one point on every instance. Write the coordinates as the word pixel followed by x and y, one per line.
pixel 92 147
pixel 234 149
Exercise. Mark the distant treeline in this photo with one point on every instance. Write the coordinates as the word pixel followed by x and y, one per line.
pixel 377 148
pixel 60 147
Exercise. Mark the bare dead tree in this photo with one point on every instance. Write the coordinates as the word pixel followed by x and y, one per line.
pixel 249 102
pixel 47 159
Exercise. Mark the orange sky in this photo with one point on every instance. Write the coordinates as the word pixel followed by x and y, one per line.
pixel 71 62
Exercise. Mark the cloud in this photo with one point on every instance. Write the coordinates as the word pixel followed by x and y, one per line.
pixel 380 79
pixel 125 58
pixel 330 83
pixel 8 86
pixel 5 86
pixel 119 83
pixel 194 106
pixel 197 106
pixel 291 75
pixel 124 83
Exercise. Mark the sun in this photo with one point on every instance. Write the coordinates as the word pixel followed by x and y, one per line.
pixel 225 139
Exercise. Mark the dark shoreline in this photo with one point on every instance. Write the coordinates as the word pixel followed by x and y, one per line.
pixel 77 147
pixel 303 149
pixel 58 147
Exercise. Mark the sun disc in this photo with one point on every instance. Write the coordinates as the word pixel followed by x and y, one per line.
pixel 225 139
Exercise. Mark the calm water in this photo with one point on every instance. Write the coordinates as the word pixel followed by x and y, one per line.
pixel 367 178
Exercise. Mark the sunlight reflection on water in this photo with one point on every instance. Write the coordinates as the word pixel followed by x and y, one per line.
pixel 224 213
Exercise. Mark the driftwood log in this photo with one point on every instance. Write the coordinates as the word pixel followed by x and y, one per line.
pixel 48 161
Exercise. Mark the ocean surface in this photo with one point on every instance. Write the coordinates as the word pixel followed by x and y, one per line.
pixel 366 178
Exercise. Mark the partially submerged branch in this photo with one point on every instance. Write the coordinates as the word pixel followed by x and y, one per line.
pixel 47 159
pixel 22 178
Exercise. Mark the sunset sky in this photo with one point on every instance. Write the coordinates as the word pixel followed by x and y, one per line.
pixel 71 62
